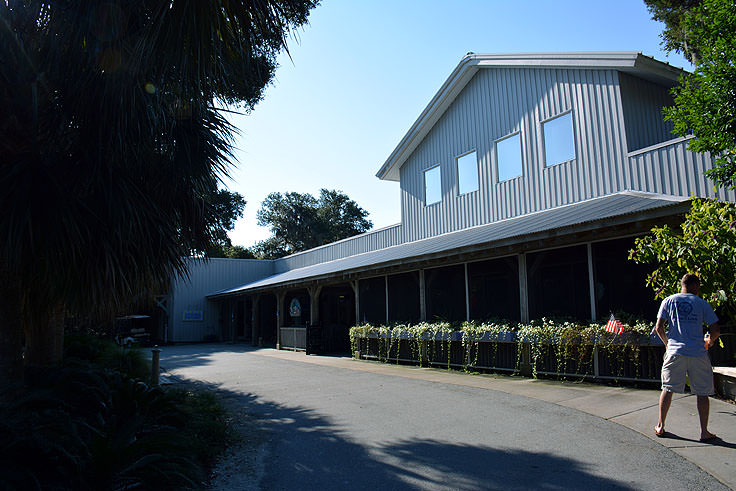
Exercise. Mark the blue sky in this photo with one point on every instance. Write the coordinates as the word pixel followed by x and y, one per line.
pixel 362 71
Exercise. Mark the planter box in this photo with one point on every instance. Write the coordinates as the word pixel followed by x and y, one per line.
pixel 500 351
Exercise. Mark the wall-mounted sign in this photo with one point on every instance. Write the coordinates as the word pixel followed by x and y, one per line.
pixel 193 315
pixel 295 308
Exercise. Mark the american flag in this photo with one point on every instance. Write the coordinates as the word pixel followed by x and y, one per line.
pixel 614 326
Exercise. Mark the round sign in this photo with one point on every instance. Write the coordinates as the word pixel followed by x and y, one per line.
pixel 295 308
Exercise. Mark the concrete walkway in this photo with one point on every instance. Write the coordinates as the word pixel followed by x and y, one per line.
pixel 632 408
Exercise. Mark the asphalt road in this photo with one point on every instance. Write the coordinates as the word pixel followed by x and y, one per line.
pixel 325 427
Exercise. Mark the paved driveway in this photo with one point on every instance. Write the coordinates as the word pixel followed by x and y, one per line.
pixel 324 426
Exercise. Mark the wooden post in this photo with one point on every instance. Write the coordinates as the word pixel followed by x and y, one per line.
pixel 467 294
pixel 591 282
pixel 523 289
pixel 255 320
pixel 386 292
pixel 155 365
pixel 280 296
pixel 314 292
pixel 422 297
pixel 356 291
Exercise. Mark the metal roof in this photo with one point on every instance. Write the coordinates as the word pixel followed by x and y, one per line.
pixel 627 61
pixel 606 207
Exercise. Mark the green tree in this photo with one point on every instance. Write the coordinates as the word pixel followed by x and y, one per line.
pixel 226 208
pixel 239 252
pixel 705 101
pixel 111 137
pixel 301 221
pixel 705 245
pixel 675 36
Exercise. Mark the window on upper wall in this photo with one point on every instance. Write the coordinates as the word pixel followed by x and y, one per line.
pixel 559 140
pixel 508 157
pixel 467 173
pixel 432 185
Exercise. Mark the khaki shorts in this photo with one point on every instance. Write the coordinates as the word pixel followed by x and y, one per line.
pixel 698 369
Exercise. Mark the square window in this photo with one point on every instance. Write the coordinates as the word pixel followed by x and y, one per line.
pixel 559 140
pixel 508 157
pixel 432 185
pixel 467 173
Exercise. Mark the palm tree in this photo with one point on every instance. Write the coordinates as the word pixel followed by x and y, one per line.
pixel 110 137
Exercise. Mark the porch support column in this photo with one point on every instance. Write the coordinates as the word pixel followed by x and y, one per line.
pixel 467 294
pixel 280 296
pixel 255 320
pixel 593 313
pixel 591 282
pixel 386 292
pixel 523 289
pixel 356 291
pixel 245 310
pixel 422 297
pixel 234 320
pixel 314 292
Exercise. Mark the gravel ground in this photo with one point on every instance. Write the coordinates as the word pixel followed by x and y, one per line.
pixel 242 465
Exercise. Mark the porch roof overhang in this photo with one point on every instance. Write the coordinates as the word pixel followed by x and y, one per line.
pixel 615 209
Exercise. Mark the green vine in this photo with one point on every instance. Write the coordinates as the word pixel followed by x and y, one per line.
pixel 572 344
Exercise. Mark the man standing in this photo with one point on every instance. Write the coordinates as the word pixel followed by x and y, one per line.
pixel 685 313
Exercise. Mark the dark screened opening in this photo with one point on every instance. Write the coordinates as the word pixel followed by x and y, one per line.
pixel 620 284
pixel 248 318
pixel 445 293
pixel 337 316
pixel 373 300
pixel 240 318
pixel 494 289
pixel 226 319
pixel 403 297
pixel 296 302
pixel 558 283
pixel 267 318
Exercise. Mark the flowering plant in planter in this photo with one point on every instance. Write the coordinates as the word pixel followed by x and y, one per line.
pixel 570 343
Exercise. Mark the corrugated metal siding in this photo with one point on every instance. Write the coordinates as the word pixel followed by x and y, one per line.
pixel 671 169
pixel 204 278
pixel 642 103
pixel 500 101
pixel 370 241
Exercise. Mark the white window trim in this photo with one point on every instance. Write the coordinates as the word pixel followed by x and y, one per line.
pixel 424 185
pixel 457 173
pixel 521 153
pixel 543 139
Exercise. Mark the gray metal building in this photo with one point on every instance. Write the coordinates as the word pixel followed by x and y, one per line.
pixel 523 171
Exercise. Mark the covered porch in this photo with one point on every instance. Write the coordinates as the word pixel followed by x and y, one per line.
pixel 569 262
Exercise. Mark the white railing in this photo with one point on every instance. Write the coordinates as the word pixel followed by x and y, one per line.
pixel 293 338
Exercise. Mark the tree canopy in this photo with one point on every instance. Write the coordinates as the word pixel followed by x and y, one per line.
pixel 111 137
pixel 705 101
pixel 705 245
pixel 227 207
pixel 675 36
pixel 301 221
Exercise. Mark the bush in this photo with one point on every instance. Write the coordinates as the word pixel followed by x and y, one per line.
pixel 106 354
pixel 86 425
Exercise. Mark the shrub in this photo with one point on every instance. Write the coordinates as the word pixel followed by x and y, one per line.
pixel 88 426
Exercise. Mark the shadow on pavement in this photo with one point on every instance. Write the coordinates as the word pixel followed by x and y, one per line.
pixel 305 450
pixel 197 355
pixel 716 442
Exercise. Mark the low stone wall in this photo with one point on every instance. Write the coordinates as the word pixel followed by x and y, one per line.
pixel 725 382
